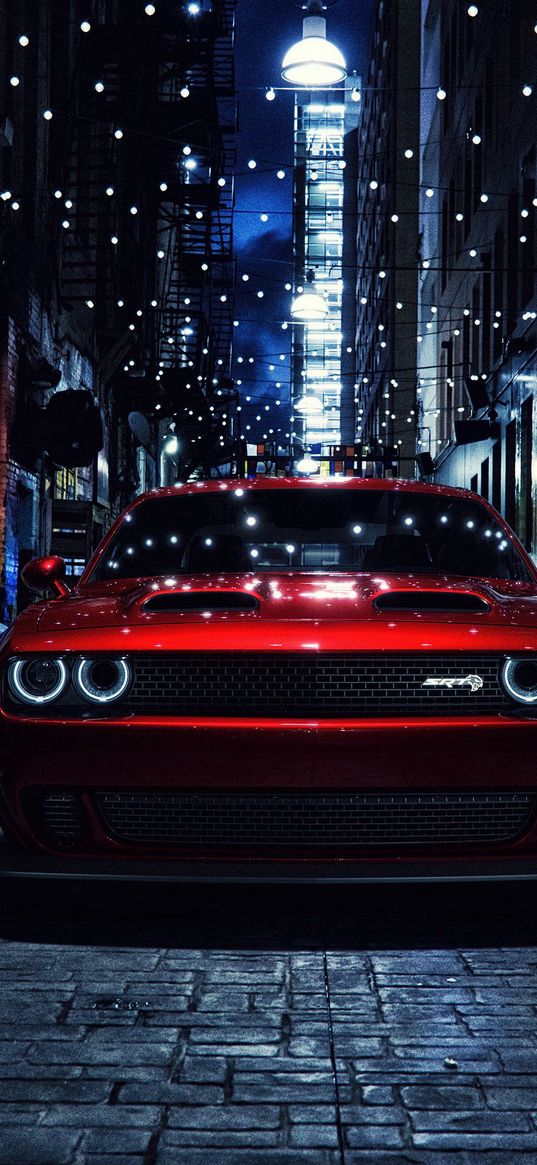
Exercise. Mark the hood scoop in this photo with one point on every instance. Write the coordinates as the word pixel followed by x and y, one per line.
pixel 178 601
pixel 431 601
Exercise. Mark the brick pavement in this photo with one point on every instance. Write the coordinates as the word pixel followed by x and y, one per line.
pixel 129 1056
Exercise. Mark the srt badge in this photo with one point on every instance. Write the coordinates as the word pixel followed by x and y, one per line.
pixel 472 682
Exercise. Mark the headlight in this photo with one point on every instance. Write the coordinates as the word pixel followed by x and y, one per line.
pixel 102 680
pixel 37 681
pixel 519 678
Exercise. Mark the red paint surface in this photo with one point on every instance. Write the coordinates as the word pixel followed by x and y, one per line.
pixel 297 612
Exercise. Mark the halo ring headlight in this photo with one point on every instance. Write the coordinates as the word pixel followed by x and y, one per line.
pixel 519 679
pixel 102 680
pixel 37 681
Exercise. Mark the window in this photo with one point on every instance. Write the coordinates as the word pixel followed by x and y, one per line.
pixel 304 529
pixel 510 474
pixel 497 475
pixel 484 491
pixel 525 508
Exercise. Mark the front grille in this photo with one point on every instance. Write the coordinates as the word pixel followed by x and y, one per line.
pixel 312 684
pixel 301 820
pixel 61 816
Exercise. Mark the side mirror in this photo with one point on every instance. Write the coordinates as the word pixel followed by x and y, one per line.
pixel 44 574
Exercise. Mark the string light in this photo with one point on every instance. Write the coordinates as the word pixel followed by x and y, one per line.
pixel 264 217
pixel 14 81
pixel 24 41
pixel 85 26
pixel 270 94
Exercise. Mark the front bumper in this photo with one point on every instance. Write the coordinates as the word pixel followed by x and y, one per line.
pixel 231 755
pixel 19 864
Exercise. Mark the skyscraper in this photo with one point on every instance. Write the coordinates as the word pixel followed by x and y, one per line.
pixel 322 121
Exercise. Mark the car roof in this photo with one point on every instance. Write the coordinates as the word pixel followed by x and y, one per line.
pixel 215 485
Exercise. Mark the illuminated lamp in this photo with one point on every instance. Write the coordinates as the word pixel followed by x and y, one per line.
pixel 307 464
pixel 309 404
pixel 309 305
pixel 314 61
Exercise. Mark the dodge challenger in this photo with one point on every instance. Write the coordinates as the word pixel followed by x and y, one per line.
pixel 278 679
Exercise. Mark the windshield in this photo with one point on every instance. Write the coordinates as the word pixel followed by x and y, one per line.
pixel 311 530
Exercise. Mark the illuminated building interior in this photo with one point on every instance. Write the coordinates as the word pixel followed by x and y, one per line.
pixel 319 168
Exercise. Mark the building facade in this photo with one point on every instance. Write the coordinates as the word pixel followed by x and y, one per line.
pixel 388 243
pixel 116 195
pixel 478 298
pixel 323 216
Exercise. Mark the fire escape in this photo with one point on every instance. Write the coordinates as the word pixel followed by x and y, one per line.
pixel 149 168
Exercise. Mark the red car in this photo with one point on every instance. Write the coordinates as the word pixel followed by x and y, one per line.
pixel 278 679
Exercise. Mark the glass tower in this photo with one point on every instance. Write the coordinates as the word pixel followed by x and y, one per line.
pixel 318 230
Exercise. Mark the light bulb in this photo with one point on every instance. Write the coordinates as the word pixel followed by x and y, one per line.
pixel 314 61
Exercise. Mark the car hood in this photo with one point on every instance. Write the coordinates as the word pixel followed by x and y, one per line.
pixel 248 599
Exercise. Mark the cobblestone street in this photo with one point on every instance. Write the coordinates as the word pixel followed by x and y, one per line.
pixel 137 1051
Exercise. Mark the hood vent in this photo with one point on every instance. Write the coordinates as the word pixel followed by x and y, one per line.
pixel 431 601
pixel 202 601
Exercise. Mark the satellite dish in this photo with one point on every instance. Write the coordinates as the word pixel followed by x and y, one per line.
pixel 139 425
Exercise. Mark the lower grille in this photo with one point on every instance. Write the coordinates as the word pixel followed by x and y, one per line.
pixel 302 820
pixel 314 684
pixel 61 816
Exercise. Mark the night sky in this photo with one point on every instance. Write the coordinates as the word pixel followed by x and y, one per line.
pixel 264 248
